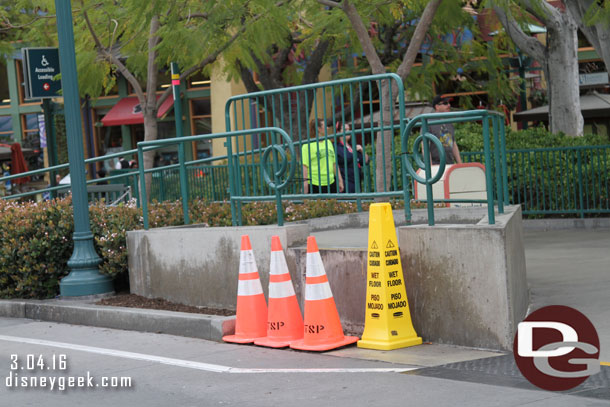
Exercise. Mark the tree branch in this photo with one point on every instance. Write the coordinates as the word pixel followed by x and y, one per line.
pixel 418 38
pixel 316 60
pixel 578 10
pixel 204 16
pixel 363 36
pixel 208 60
pixel 246 78
pixel 280 60
pixel 106 54
pixel 10 26
pixel 330 3
pixel 528 44
pixel 152 70
pixel 550 16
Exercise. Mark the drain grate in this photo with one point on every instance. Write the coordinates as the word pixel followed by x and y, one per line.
pixel 503 371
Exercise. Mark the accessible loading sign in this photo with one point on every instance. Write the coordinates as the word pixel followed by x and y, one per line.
pixel 40 67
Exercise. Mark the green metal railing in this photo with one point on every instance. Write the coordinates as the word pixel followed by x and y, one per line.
pixel 354 101
pixel 340 101
pixel 255 152
pixel 493 133
pixel 55 169
pixel 278 159
pixel 556 181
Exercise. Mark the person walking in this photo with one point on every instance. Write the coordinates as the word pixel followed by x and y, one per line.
pixel 445 133
pixel 319 163
pixel 348 160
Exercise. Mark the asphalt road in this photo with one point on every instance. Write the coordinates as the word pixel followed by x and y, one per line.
pixel 167 370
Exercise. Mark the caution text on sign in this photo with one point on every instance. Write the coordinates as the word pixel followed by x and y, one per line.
pixel 387 317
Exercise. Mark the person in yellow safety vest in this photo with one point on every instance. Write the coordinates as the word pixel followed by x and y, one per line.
pixel 319 162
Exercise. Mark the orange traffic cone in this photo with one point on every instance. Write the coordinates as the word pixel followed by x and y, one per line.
pixel 323 329
pixel 284 321
pixel 251 318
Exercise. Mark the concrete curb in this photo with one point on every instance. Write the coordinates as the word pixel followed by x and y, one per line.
pixel 209 327
pixel 567 223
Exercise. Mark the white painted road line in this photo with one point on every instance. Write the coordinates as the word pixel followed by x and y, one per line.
pixel 191 364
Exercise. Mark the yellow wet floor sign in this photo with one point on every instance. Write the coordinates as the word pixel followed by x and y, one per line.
pixel 388 319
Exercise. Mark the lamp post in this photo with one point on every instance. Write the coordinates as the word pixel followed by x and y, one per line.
pixel 84 278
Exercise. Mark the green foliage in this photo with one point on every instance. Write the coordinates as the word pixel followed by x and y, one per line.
pixel 34 248
pixel 545 181
pixel 469 137
pixel 189 32
pixel 35 244
pixel 109 226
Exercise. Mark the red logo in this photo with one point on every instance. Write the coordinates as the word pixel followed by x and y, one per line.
pixel 556 348
pixel 46 86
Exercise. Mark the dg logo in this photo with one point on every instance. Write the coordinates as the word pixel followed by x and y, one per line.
pixel 557 348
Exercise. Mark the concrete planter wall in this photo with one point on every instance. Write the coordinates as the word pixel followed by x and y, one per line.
pixel 198 265
pixel 465 282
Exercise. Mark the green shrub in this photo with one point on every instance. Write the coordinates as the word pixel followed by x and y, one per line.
pixel 35 246
pixel 544 181
pixel 469 137
pixel 36 243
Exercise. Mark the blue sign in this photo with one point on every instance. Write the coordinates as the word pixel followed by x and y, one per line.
pixel 40 67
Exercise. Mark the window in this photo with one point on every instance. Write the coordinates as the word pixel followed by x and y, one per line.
pixel 5 97
pixel 31 132
pixel 6 129
pixel 201 123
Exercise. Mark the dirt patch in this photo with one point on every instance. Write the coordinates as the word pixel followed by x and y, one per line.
pixel 136 301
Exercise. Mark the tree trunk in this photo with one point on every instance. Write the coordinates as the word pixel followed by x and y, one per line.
pixel 150 133
pixel 560 61
pixel 597 34
pixel 563 83
pixel 383 143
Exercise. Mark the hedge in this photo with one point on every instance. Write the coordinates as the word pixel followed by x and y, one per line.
pixel 35 242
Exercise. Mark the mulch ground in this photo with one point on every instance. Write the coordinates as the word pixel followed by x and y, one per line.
pixel 136 301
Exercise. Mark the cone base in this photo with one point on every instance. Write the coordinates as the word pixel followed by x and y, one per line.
pixel 274 343
pixel 389 345
pixel 301 345
pixel 239 339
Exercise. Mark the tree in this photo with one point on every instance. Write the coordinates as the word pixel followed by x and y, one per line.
pixel 138 47
pixel 290 52
pixel 377 66
pixel 139 39
pixel 593 19
pixel 559 58
pixel 15 20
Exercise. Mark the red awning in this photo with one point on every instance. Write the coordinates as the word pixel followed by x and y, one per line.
pixel 128 111
pixel 18 164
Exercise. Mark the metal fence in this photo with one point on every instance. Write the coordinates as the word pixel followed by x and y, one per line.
pixel 373 107
pixel 272 150
pixel 557 181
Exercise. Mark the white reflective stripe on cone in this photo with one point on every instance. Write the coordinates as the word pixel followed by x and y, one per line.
pixel 321 291
pixel 246 262
pixel 249 287
pixel 281 290
pixel 314 266
pixel 278 263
